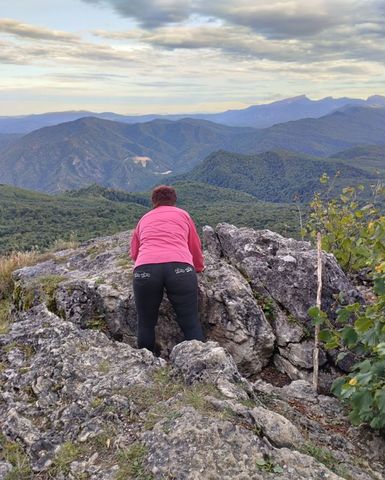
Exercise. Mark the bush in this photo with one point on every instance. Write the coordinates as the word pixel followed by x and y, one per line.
pixel 355 234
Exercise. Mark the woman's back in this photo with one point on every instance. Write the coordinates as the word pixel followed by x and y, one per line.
pixel 166 234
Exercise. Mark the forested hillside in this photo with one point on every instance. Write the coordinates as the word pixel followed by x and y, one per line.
pixel 276 176
pixel 29 219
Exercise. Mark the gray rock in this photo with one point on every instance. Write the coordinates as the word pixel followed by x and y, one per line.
pixel 301 390
pixel 79 387
pixel 208 363
pixel 211 242
pixel 5 468
pixel 280 431
pixel 294 373
pixel 284 268
pixel 301 354
pixel 67 373
pixel 190 447
pixel 286 328
pixel 232 317
pixel 304 466
pixel 255 291
pixel 93 289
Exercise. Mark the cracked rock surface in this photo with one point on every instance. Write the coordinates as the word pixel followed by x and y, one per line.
pixel 79 402
pixel 254 296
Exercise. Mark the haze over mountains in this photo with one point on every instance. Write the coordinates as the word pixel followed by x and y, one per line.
pixel 136 156
pixel 257 116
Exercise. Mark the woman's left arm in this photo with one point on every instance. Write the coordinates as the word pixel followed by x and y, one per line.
pixel 134 248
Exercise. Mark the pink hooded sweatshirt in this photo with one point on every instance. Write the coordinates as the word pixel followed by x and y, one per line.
pixel 166 234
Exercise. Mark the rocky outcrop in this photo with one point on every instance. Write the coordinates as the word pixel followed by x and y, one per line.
pixel 76 404
pixel 254 296
pixel 79 401
pixel 282 275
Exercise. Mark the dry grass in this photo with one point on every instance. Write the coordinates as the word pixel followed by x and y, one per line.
pixel 10 263
pixel 60 244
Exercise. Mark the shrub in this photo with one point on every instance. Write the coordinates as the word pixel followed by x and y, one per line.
pixel 355 234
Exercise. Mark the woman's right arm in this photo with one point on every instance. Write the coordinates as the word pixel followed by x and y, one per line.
pixel 195 247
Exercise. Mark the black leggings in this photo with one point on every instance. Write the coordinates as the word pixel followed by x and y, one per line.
pixel 180 282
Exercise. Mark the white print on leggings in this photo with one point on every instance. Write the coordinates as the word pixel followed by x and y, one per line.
pixel 142 275
pixel 183 270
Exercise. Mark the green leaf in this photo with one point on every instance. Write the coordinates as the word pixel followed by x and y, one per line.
pixel 337 386
pixel 364 366
pixel 277 469
pixel 349 336
pixel 379 398
pixel 313 312
pixel 364 378
pixel 379 286
pixel 362 401
pixel 378 368
pixel 343 315
pixel 333 343
pixel 378 422
pixel 354 417
pixel 325 335
pixel 319 318
pixel 380 348
pixel 363 324
pixel 341 356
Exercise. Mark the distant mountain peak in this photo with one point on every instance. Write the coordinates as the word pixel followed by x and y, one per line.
pixel 380 99
pixel 298 98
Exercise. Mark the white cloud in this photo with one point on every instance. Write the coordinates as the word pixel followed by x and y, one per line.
pixel 191 55
pixel 24 30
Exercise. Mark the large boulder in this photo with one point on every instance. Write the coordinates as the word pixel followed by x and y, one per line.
pixel 284 269
pixel 282 273
pixel 254 296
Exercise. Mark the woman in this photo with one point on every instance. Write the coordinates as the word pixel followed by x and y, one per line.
pixel 167 253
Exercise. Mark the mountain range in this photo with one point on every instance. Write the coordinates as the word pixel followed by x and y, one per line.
pixel 257 116
pixel 114 154
pixel 134 157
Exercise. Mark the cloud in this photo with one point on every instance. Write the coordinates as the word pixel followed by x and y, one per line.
pixel 76 54
pixel 185 55
pixel 279 30
pixel 276 19
pixel 150 13
pixel 33 44
pixel 273 19
pixel 240 42
pixel 227 39
pixel 24 30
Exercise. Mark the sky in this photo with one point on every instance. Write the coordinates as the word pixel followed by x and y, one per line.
pixel 186 56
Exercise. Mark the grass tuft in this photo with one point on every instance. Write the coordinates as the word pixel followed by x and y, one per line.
pixel 10 263
pixel 131 463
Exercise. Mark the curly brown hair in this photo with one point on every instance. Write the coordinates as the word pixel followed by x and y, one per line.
pixel 163 195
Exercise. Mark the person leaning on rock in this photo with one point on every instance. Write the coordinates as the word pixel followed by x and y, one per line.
pixel 167 252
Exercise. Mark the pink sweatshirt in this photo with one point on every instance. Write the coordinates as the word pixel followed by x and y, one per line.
pixel 166 234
